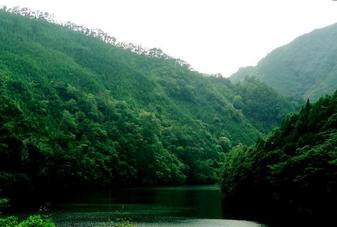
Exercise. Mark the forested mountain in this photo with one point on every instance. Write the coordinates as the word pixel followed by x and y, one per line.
pixel 79 108
pixel 304 68
pixel 291 172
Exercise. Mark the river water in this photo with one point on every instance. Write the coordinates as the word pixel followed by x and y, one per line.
pixel 160 206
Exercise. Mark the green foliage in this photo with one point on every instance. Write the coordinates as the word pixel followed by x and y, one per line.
pixel 31 221
pixel 9 221
pixel 78 109
pixel 293 169
pixel 36 221
pixel 304 68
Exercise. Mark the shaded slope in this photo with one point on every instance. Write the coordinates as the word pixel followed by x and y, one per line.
pixel 291 172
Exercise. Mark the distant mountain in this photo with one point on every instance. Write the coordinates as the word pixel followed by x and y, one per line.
pixel 304 68
pixel 79 108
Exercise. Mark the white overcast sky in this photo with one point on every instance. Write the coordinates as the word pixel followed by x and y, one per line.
pixel 214 36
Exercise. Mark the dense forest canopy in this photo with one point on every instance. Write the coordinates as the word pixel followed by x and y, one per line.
pixel 291 172
pixel 79 108
pixel 304 68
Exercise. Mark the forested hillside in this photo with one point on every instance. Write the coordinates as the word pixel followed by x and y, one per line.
pixel 304 68
pixel 79 108
pixel 291 172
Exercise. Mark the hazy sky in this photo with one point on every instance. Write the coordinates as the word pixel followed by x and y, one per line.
pixel 212 35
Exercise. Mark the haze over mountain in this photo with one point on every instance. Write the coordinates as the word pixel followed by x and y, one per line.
pixel 229 34
pixel 304 68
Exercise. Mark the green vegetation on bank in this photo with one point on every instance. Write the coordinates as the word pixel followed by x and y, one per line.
pixel 293 171
pixel 80 109
pixel 31 221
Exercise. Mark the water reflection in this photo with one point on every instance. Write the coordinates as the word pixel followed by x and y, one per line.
pixel 164 206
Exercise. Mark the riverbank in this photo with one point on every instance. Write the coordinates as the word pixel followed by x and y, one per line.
pixel 168 223
pixel 156 206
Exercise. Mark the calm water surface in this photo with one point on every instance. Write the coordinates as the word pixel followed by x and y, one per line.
pixel 161 206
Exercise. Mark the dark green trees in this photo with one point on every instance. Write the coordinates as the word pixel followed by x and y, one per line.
pixel 293 171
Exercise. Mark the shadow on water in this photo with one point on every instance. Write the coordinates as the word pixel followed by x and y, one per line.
pixel 168 206
pixel 279 214
pixel 164 206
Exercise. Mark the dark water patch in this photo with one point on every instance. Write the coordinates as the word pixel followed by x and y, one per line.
pixel 164 206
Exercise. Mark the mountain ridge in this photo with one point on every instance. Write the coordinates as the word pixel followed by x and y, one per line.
pixel 303 68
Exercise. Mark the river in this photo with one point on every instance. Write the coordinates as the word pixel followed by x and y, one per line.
pixel 160 206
